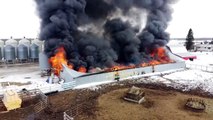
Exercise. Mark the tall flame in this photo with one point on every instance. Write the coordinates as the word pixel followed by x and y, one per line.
pixel 59 59
pixel 159 57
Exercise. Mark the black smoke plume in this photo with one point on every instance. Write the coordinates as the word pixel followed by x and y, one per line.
pixel 101 33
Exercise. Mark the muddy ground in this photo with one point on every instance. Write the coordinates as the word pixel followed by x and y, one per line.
pixel 159 105
pixel 106 103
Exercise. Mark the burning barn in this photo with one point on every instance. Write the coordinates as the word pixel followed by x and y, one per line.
pixel 93 40
pixel 69 75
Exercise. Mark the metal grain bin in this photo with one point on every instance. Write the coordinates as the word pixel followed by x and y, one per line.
pixel 43 61
pixel 9 53
pixel 39 43
pixel 13 43
pixel 1 48
pixel 22 52
pixel 0 54
pixel 1 43
pixel 34 51
pixel 25 42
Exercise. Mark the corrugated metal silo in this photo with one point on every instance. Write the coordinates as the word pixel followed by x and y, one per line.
pixel 13 43
pixel 25 42
pixel 22 52
pixel 43 61
pixel 34 51
pixel 1 43
pixel 9 53
pixel 1 49
pixel 39 43
pixel 0 55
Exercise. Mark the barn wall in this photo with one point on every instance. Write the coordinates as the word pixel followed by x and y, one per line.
pixel 109 76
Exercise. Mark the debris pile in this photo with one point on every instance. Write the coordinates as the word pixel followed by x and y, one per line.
pixel 135 94
pixel 195 104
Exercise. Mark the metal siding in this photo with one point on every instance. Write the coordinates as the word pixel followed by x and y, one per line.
pixel 134 72
pixel 1 49
pixel 38 43
pixel 123 73
pixel 66 76
pixel 165 67
pixel 43 61
pixel 9 52
pixel 0 54
pixel 34 51
pixel 106 76
pixel 22 52
pixel 93 78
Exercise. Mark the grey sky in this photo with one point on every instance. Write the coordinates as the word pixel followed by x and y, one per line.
pixel 195 14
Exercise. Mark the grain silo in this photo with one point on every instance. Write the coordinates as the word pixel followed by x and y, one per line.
pixel 43 61
pixel 1 49
pixel 13 43
pixel 25 42
pixel 39 43
pixel 22 52
pixel 34 52
pixel 1 55
pixel 9 53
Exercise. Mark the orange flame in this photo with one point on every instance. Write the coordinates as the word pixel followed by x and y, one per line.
pixel 159 57
pixel 59 59
pixel 70 66
pixel 82 69
pixel 121 67
pixel 154 62
pixel 144 64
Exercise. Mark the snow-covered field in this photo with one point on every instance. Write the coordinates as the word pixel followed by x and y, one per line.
pixel 29 76
pixel 187 80
pixel 203 58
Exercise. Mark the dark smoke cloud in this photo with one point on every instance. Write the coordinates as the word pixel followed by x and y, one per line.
pixel 96 51
pixel 118 41
pixel 159 15
pixel 98 9
pixel 123 41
